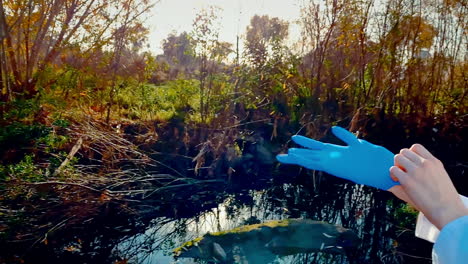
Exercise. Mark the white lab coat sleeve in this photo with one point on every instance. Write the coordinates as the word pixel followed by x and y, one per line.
pixel 451 247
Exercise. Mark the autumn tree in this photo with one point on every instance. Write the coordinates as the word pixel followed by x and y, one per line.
pixel 319 23
pixel 420 46
pixel 178 52
pixel 388 55
pixel 263 35
pixel 210 53
pixel 37 32
pixel 268 60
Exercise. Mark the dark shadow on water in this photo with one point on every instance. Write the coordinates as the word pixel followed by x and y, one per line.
pixel 150 230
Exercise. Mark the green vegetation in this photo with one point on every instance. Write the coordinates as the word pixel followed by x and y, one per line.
pixel 406 215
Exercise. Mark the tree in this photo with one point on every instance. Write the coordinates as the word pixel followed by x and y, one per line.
pixel 262 36
pixel 269 59
pixel 36 32
pixel 319 23
pixel 178 52
pixel 209 52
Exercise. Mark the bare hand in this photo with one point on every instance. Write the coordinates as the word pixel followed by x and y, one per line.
pixel 426 185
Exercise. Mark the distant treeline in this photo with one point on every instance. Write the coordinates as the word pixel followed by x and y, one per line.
pixel 73 57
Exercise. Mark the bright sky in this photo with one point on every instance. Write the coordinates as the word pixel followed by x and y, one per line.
pixel 177 15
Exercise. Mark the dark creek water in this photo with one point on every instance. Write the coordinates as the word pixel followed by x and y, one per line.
pixel 384 236
pixel 262 191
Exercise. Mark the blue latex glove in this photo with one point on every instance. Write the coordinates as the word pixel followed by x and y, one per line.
pixel 360 161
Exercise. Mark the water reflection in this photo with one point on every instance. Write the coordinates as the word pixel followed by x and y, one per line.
pixel 361 209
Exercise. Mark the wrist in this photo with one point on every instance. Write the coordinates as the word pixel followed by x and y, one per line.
pixel 445 215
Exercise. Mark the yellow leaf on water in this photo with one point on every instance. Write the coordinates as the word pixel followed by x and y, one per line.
pixel 70 249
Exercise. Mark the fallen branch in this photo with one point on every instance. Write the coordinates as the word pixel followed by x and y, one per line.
pixel 411 256
pixel 70 156
pixel 63 183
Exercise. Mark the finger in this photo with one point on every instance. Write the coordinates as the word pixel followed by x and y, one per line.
pixel 395 179
pixel 398 164
pixel 305 153
pixel 308 143
pixel 404 163
pixel 343 134
pixel 421 151
pixel 415 158
pixel 289 159
pixel 309 164
pixel 286 159
pixel 399 174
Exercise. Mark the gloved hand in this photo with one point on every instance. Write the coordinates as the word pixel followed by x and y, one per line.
pixel 360 161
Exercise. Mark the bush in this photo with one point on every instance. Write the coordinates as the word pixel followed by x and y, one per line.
pixel 19 135
pixel 25 170
pixel 147 101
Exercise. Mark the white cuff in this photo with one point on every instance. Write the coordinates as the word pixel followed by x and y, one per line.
pixel 426 230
